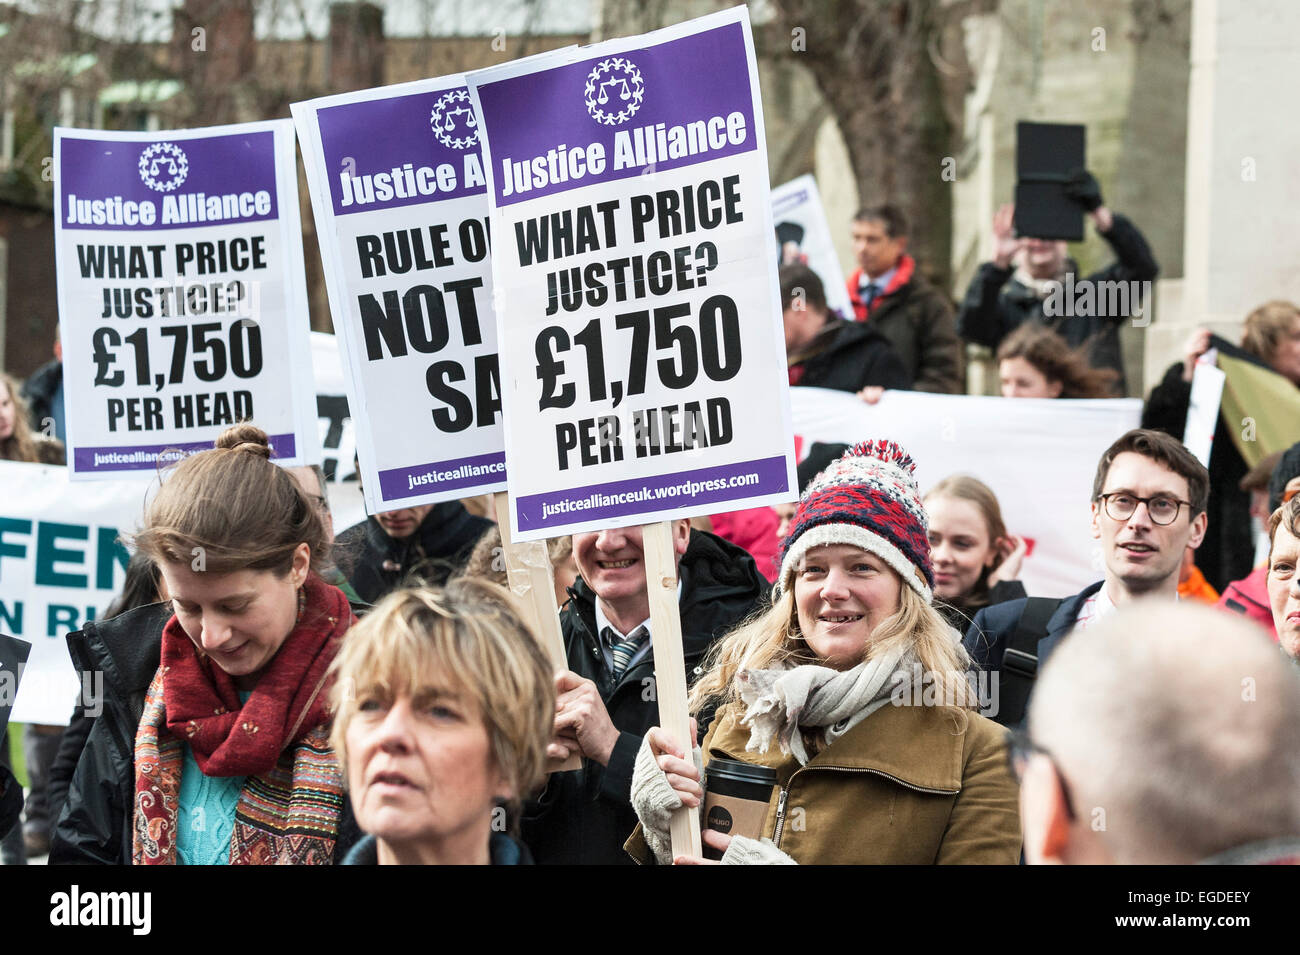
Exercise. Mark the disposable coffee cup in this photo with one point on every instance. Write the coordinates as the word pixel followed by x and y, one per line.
pixel 736 799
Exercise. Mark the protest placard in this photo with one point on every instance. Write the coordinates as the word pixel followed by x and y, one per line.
pixel 642 348
pixel 642 352
pixel 398 191
pixel 61 564
pixel 182 297
pixel 803 237
pixel 1038 455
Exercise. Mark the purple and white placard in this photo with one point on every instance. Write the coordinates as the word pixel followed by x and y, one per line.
pixel 642 353
pixel 182 295
pixel 398 189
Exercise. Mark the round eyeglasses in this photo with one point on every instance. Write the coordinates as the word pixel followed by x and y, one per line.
pixel 1163 510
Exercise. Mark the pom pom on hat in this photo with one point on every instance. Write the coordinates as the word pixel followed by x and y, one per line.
pixel 868 498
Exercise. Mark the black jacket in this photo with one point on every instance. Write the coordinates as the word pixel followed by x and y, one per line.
pixel 961 614
pixel 1228 551
pixel 11 799
pixel 849 356
pixel 502 850
pixel 585 816
pixel 996 304
pixel 986 640
pixel 438 548
pixel 39 390
pixel 95 824
pixel 71 745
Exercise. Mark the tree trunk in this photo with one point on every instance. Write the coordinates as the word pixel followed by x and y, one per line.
pixel 871 60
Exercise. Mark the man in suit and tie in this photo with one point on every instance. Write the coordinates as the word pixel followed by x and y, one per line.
pixel 1148 506
pixel 606 701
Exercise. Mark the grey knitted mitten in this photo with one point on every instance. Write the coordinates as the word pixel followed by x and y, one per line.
pixel 746 851
pixel 654 801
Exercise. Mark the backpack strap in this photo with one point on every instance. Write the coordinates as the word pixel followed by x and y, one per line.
pixel 1020 658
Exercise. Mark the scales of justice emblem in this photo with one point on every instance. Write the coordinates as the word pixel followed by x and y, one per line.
pixel 614 91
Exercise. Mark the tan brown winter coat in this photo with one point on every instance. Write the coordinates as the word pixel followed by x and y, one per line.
pixel 911 785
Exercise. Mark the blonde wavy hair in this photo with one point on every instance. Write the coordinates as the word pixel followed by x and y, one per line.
pixel 773 639
pixel 469 640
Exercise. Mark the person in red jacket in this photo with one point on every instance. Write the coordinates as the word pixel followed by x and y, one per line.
pixel 1249 596
pixel 887 291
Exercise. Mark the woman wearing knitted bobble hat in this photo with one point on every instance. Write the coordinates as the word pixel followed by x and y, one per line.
pixel 213 745
pixel 854 690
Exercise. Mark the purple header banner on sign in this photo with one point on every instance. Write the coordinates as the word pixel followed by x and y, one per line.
pixel 475 471
pixel 682 102
pixel 171 183
pixel 402 151
pixel 149 456
pixel 618 499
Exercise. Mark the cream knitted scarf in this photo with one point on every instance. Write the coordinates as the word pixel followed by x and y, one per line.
pixel 780 701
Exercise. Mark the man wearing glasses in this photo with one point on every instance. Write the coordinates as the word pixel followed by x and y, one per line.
pixel 1148 507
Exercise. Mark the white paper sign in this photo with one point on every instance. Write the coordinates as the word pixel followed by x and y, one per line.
pixel 642 352
pixel 1203 409
pixel 1038 455
pixel 397 188
pixel 182 296
pixel 804 238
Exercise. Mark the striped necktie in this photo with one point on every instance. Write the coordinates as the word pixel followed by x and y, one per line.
pixel 624 650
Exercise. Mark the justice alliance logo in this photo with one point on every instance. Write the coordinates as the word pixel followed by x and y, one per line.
pixel 614 91
pixel 163 167
pixel 453 121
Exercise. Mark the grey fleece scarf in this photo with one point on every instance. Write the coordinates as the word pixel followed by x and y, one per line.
pixel 781 701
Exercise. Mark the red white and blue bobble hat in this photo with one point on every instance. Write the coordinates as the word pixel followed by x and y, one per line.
pixel 868 498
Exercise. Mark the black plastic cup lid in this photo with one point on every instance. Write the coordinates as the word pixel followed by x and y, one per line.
pixel 737 771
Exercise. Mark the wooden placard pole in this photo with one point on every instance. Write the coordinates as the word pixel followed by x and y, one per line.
pixel 532 580
pixel 670 666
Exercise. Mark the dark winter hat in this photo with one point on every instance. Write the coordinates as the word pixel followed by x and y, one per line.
pixel 869 499
pixel 1287 468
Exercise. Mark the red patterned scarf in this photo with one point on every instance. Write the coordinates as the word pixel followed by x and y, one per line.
pixel 290 804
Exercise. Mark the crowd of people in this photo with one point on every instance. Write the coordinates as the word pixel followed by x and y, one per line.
pixel 277 693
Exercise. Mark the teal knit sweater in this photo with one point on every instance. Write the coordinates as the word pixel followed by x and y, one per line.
pixel 206 814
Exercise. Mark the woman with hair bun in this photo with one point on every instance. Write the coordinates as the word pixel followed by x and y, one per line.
pixel 213 745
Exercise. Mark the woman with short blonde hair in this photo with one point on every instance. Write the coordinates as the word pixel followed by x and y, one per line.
pixel 443 707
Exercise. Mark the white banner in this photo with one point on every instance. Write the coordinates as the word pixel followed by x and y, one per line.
pixel 182 296
pixel 642 350
pixel 804 238
pixel 397 187
pixel 60 566
pixel 1038 455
